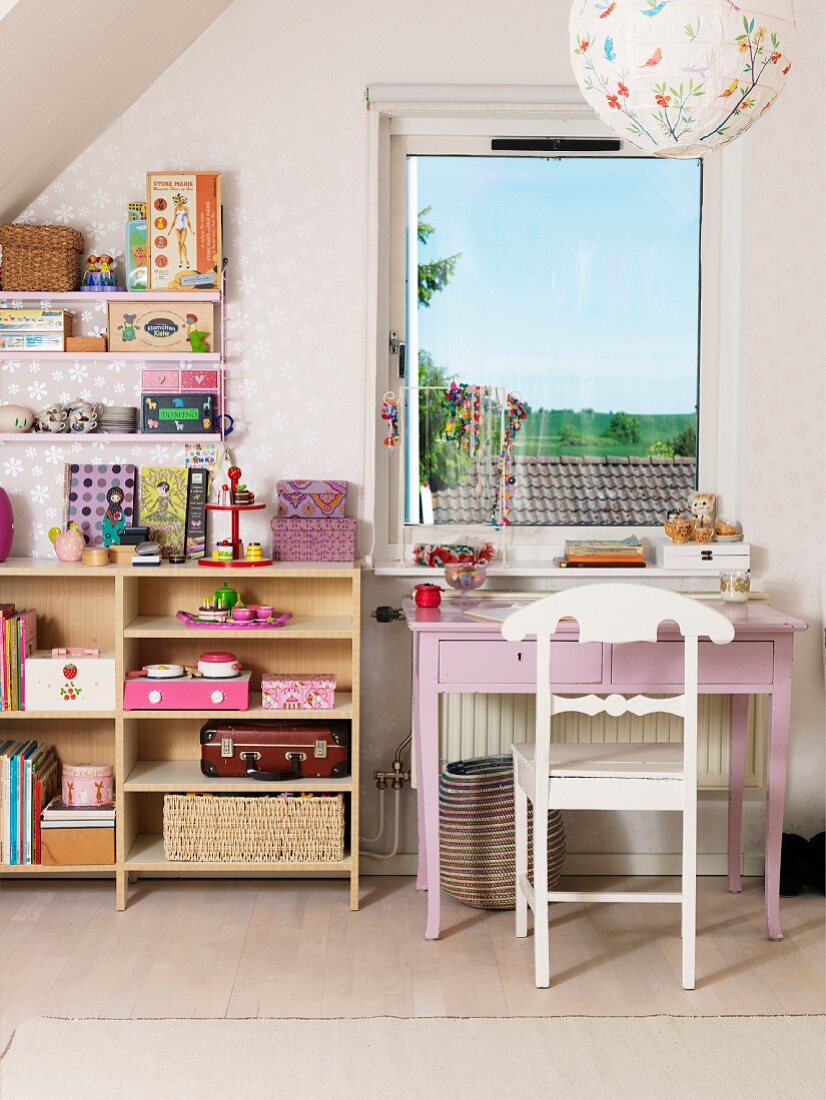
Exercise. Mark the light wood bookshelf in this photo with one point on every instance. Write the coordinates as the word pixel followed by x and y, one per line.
pixel 132 612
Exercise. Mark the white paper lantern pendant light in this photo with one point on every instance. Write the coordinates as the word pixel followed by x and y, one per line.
pixel 680 78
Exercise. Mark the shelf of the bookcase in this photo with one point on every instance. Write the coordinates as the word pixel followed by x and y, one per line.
pixel 343 709
pixel 165 439
pixel 56 869
pixel 300 626
pixel 115 356
pixel 147 854
pixel 185 776
pixel 77 715
pixel 112 296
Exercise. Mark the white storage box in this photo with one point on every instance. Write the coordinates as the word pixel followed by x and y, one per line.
pixel 708 557
pixel 70 679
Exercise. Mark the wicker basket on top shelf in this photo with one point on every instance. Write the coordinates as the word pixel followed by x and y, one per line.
pixel 40 257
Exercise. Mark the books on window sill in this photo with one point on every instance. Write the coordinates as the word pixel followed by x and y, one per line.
pixel 627 553
pixel 29 776
pixel 58 815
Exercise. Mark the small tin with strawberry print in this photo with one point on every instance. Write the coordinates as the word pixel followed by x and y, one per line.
pixel 87 785
pixel 69 679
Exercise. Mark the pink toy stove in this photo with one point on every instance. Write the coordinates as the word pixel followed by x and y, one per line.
pixel 181 693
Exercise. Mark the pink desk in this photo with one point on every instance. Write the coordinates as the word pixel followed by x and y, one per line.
pixel 452 653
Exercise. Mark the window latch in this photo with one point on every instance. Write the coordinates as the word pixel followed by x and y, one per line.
pixel 398 347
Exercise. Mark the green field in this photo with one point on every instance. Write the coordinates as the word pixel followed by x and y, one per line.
pixel 541 433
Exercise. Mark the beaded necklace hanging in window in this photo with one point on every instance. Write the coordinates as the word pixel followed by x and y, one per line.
pixel 515 415
pixel 464 418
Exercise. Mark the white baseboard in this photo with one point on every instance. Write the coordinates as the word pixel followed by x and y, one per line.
pixel 598 863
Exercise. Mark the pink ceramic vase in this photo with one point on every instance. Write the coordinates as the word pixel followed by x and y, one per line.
pixel 6 524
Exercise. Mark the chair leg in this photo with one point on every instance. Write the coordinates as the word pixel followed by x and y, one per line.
pixel 689 884
pixel 521 814
pixel 541 938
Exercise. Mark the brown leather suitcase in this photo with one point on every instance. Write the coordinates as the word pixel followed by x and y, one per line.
pixel 270 751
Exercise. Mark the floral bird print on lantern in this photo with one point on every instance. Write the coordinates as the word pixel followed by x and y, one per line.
pixel 698 72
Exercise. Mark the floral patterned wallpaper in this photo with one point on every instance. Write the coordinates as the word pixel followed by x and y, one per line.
pixel 272 95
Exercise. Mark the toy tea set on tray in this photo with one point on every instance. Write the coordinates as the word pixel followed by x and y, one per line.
pixel 226 610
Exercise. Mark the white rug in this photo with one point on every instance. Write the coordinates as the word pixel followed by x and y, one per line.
pixel 609 1058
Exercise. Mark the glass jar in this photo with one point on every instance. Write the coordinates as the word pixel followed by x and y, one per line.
pixel 735 585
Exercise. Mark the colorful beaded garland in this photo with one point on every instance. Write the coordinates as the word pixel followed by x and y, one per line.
pixel 390 413
pixel 515 414
pixel 464 419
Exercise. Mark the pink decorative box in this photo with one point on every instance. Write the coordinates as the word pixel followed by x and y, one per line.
pixel 87 785
pixel 311 499
pixel 315 691
pixel 179 693
pixel 314 539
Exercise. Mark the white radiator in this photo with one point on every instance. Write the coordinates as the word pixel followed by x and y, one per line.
pixel 487 725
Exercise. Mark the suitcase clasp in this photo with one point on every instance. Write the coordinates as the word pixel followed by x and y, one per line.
pixel 226 748
pixel 320 750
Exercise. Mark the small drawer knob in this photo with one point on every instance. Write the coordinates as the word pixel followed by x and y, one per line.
pixel 217 696
pixel 155 696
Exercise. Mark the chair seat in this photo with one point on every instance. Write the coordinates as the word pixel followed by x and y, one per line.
pixel 649 760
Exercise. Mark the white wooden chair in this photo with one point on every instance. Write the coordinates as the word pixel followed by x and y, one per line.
pixel 646 776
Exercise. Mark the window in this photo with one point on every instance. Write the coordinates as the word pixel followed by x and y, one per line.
pixel 565 289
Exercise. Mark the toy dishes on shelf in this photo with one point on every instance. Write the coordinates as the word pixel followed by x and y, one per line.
pixel 679 527
pixel 119 419
pixel 702 534
pixel 265 618
pixel 728 530
pixel 219 666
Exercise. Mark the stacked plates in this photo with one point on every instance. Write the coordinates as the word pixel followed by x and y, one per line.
pixel 118 418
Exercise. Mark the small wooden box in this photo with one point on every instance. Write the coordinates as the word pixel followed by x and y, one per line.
pixel 85 343
pixel 78 847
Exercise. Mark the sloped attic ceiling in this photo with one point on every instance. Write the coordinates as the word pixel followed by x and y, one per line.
pixel 69 68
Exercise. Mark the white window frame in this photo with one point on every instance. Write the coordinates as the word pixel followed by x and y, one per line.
pixel 413 119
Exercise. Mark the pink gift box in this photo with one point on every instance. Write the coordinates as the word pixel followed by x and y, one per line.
pixel 314 539
pixel 311 499
pixel 315 691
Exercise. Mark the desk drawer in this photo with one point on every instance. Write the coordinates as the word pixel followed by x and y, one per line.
pixel 736 663
pixel 500 662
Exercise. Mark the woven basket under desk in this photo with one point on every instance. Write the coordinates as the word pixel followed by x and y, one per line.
pixel 258 829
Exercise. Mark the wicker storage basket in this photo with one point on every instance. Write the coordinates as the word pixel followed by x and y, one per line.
pixel 258 829
pixel 40 257
pixel 477 834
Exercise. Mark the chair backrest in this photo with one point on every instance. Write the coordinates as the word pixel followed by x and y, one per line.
pixel 616 613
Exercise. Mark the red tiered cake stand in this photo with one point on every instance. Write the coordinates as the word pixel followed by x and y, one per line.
pixel 238 562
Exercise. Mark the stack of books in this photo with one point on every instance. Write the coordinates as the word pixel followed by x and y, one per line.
pixel 60 815
pixel 603 553
pixel 18 640
pixel 29 775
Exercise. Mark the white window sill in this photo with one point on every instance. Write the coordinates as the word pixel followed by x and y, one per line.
pixel 544 569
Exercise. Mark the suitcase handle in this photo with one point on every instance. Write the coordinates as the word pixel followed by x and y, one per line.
pixel 253 772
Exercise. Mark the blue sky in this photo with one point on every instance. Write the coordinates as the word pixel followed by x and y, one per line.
pixel 577 285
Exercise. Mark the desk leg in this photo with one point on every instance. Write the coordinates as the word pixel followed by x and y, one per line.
pixel 779 724
pixel 428 764
pixel 737 776
pixel 421 875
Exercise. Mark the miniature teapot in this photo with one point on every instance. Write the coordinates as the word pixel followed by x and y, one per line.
pixel 16 418
pixel 226 597
pixel 68 544
pixel 51 419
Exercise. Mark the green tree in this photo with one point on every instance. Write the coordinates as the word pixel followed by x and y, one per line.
pixel 624 428
pixel 570 435
pixel 661 449
pixel 441 462
pixel 435 275
pixel 686 442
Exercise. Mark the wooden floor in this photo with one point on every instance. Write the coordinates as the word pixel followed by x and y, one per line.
pixel 269 948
